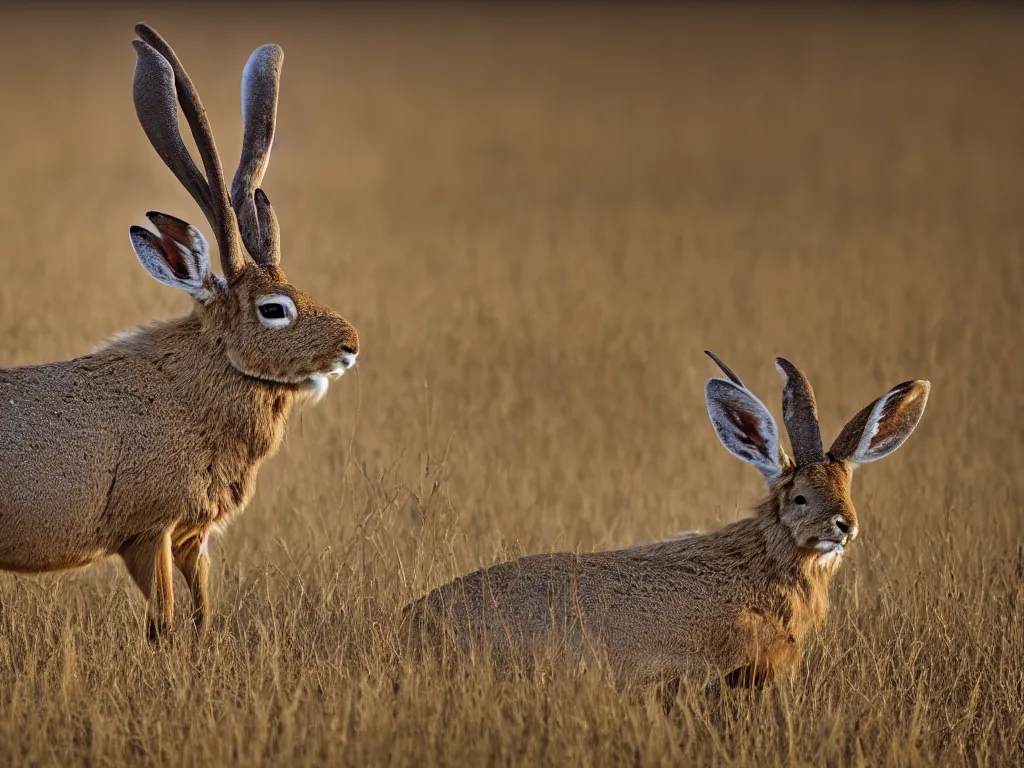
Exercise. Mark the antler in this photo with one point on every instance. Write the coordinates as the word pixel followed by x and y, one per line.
pixel 158 76
pixel 725 369
pixel 800 414
pixel 256 219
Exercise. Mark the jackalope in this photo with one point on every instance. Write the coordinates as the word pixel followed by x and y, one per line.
pixel 149 444
pixel 733 604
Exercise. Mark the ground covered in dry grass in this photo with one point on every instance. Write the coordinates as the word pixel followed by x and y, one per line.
pixel 537 219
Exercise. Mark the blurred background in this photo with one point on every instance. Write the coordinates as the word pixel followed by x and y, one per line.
pixel 537 216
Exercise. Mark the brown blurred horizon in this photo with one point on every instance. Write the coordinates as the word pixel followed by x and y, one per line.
pixel 537 217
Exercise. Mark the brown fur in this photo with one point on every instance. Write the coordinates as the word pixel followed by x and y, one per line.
pixel 737 602
pixel 156 433
pixel 146 446
pixel 741 597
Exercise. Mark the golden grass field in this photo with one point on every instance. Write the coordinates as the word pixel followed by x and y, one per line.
pixel 537 218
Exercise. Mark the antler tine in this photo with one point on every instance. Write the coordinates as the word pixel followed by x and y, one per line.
pixel 269 231
pixel 725 368
pixel 157 109
pixel 800 414
pixel 221 215
pixel 256 221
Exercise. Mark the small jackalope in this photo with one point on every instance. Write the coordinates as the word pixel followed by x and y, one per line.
pixel 733 604
pixel 149 444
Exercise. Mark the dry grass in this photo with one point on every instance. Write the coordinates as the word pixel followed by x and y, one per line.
pixel 537 220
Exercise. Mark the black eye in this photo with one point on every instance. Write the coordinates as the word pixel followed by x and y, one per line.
pixel 272 311
pixel 800 500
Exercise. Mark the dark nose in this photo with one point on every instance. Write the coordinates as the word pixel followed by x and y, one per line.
pixel 842 525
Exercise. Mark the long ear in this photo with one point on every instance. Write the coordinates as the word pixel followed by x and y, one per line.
pixel 883 426
pixel 256 221
pixel 745 427
pixel 177 256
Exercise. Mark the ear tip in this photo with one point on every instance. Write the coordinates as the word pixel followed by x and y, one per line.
pixel 917 387
pixel 140 236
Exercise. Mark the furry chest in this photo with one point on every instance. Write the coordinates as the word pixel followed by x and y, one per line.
pixel 228 493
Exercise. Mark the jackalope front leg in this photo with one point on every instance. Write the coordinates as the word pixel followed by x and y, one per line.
pixel 148 559
pixel 193 560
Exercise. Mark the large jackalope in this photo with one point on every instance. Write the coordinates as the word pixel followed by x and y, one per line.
pixel 735 603
pixel 149 444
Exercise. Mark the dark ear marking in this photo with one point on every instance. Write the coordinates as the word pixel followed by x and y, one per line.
pixel 177 243
pixel 749 427
pixel 175 259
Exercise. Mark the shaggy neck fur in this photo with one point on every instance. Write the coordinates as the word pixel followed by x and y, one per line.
pixel 759 552
pixel 241 418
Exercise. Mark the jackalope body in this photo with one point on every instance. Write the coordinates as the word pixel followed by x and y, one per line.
pixel 149 444
pixel 734 603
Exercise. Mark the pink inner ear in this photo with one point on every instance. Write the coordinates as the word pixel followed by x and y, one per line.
pixel 174 258
pixel 750 429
